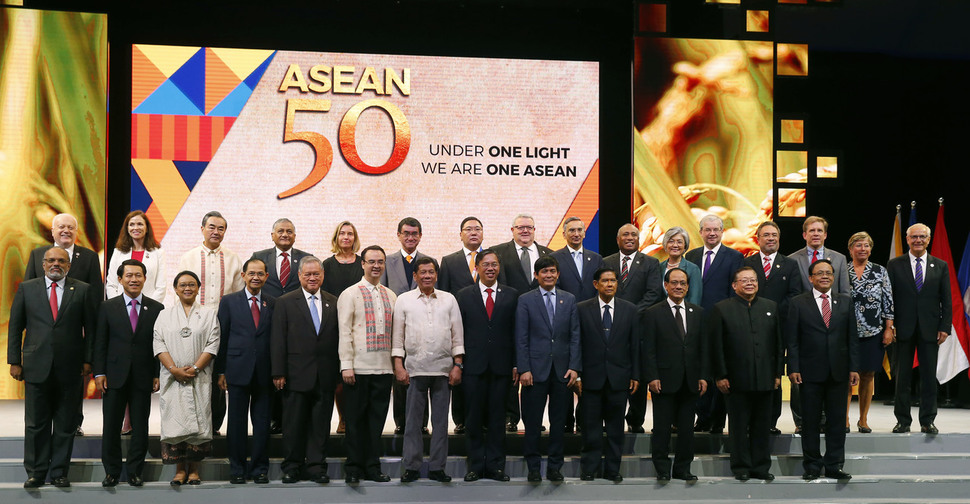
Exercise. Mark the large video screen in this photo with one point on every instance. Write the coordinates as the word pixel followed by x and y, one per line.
pixel 321 138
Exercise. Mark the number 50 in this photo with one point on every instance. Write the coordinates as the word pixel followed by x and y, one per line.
pixel 323 151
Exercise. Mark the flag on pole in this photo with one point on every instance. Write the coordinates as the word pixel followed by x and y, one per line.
pixel 964 278
pixel 954 350
pixel 895 250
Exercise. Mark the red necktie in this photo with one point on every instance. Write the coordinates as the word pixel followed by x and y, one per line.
pixel 255 311
pixel 285 270
pixel 767 266
pixel 814 256
pixel 826 309
pixel 489 303
pixel 54 300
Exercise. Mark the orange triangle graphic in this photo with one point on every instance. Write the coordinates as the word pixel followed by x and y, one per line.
pixel 219 80
pixel 145 77
pixel 159 226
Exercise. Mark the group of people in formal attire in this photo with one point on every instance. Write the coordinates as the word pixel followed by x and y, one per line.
pixel 497 334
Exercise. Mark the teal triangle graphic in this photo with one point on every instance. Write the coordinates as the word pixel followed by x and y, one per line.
pixel 168 100
pixel 233 103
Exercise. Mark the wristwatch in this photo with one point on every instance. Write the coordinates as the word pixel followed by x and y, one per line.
pixel 459 366
pixel 195 368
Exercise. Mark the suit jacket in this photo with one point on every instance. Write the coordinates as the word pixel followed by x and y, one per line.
pixel 306 359
pixel 85 266
pixel 717 282
pixel 244 348
pixel 547 350
pixel 784 282
pixel 644 280
pixel 746 343
pixel 931 309
pixel 156 282
pixel 454 274
pixel 489 344
pixel 842 283
pixel 394 277
pixel 511 273
pixel 613 358
pixel 119 352
pixel 578 283
pixel 51 346
pixel 272 286
pixel 667 357
pixel 816 351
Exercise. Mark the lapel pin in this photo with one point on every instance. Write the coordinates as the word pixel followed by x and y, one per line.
pixel 690 310
pixel 327 305
pixel 768 314
pixel 72 288
pixel 560 301
pixel 932 265
pixel 835 302
pixel 264 304
pixel 777 265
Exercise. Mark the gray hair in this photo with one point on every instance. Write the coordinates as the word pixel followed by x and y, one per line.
pixel 523 216
pixel 214 213
pixel 307 260
pixel 711 217
pixel 281 221
pixel 674 231
pixel 572 219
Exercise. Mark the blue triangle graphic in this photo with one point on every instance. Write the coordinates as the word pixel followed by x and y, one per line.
pixel 254 77
pixel 168 100
pixel 190 78
pixel 140 199
pixel 191 171
pixel 233 103
pixel 592 234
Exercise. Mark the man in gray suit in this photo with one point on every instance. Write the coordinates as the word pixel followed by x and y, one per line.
pixel 49 339
pixel 399 277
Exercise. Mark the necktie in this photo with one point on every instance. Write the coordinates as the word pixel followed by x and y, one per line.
pixel 919 274
pixel 285 269
pixel 550 307
pixel 767 267
pixel 471 267
pixel 314 315
pixel 680 322
pixel 578 260
pixel 489 303
pixel 255 307
pixel 133 314
pixel 814 256
pixel 625 269
pixel 526 263
pixel 707 263
pixel 826 309
pixel 54 300
pixel 409 258
pixel 607 321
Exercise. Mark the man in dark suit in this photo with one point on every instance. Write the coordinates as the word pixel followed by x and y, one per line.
pixel 823 358
pixel 399 277
pixel 778 280
pixel 718 264
pixel 747 361
pixel 281 267
pixel 58 316
pixel 639 283
pixel 519 256
pixel 610 333
pixel 674 365
pixel 549 359
pixel 126 371
pixel 924 316
pixel 85 266
pixel 243 367
pixel 815 230
pixel 306 368
pixel 488 318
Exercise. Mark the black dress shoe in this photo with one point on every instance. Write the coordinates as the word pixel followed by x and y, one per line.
pixel 79 432
pixel 237 480
pixel 742 476
pixel 554 475
pixel 109 481
pixel 774 431
pixel 848 429
pixel 636 429
pixel 614 477
pixel 533 477
pixel 289 478
pixel 460 429
pixel 839 475
pixel 512 427
pixel 587 476
pixel 351 479
pixel 439 476
pixel 399 430
pixel 767 476
pixel 261 479
pixel 61 482
pixel 685 477
pixel 929 429
pixel 322 479
pixel 498 475
pixel 900 429
pixel 663 477
pixel 275 428
pixel 410 475
pixel 472 476
pixel 378 477
pixel 34 483
pixel 811 475
pixel 135 480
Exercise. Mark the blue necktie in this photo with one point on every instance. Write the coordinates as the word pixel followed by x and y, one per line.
pixel 314 315
pixel 578 259
pixel 919 274
pixel 607 321
pixel 550 308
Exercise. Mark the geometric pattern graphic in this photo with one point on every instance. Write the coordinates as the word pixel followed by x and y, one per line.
pixel 585 206
pixel 184 101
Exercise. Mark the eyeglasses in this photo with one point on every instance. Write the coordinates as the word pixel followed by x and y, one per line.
pixel 257 274
pixel 371 262
pixel 187 285
pixel 471 229
pixel 56 261
pixel 411 234
pixel 824 274
pixel 523 228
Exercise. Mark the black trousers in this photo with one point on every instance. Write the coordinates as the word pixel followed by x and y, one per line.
pixel 533 404
pixel 602 407
pixel 365 411
pixel 673 408
pixel 832 395
pixel 50 420
pixel 512 411
pixel 400 402
pixel 306 429
pixel 928 352
pixel 255 402
pixel 458 405
pixel 138 401
pixel 711 409
pixel 749 414
pixel 218 404
pixel 485 398
pixel 637 412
